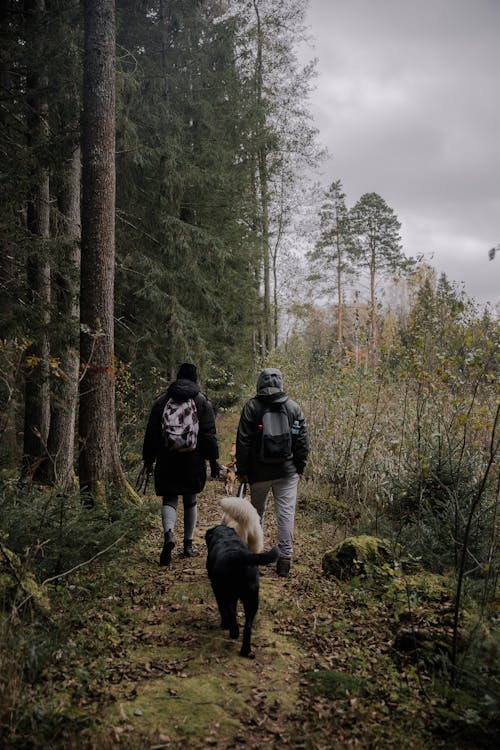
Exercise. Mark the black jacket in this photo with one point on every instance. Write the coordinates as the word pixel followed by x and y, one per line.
pixel 181 473
pixel 248 440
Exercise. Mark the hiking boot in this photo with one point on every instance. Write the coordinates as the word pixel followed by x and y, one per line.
pixel 189 550
pixel 283 567
pixel 168 545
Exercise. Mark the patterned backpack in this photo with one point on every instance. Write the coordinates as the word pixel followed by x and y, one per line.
pixel 180 425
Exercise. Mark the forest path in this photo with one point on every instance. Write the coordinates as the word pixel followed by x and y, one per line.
pixel 322 676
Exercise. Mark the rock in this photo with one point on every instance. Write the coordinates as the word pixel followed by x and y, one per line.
pixel 359 555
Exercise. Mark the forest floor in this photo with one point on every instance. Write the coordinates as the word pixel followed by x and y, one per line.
pixel 159 672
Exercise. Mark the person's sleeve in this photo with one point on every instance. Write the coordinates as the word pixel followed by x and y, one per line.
pixel 244 438
pixel 300 444
pixel 208 432
pixel 153 435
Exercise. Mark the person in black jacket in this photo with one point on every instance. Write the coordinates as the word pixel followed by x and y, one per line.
pixel 180 473
pixel 281 476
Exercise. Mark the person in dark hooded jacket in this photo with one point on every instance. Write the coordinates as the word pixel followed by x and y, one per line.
pixel 180 473
pixel 281 476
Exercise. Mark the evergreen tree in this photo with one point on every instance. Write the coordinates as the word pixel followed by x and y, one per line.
pixel 333 252
pixel 36 362
pixel 185 255
pixel 14 189
pixel 99 463
pixel 65 66
pixel 375 229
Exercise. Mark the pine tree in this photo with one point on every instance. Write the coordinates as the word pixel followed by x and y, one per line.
pixel 334 249
pixel 376 228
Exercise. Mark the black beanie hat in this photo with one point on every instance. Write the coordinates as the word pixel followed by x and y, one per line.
pixel 187 372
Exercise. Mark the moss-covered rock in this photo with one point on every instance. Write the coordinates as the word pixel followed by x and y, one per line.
pixel 359 555
pixel 18 586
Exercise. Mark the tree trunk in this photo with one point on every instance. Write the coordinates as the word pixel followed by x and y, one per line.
pixel 7 279
pixel 99 464
pixel 339 303
pixel 373 313
pixel 36 362
pixel 263 190
pixel 274 258
pixel 58 468
pixel 10 361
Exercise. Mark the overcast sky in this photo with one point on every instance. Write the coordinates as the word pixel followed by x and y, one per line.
pixel 407 101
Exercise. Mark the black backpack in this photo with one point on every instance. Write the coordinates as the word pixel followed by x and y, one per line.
pixel 276 434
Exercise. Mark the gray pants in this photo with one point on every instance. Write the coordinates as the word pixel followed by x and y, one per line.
pixel 285 500
pixel 169 513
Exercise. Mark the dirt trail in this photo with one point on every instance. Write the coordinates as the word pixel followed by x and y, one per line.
pixel 322 676
pixel 182 677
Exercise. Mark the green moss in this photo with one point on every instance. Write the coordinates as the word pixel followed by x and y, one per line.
pixel 18 585
pixel 359 555
pixel 331 684
pixel 184 708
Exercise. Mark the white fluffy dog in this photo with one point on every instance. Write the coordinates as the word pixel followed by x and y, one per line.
pixel 240 515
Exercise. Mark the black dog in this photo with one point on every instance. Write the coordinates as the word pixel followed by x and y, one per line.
pixel 234 575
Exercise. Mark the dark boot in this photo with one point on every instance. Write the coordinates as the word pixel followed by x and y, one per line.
pixel 283 567
pixel 189 550
pixel 168 545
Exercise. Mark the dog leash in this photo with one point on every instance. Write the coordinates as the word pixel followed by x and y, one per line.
pixel 242 489
pixel 142 481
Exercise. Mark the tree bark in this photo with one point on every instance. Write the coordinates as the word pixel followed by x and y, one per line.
pixel 99 464
pixel 58 467
pixel 36 361
pixel 339 301
pixel 263 190
pixel 373 312
pixel 7 276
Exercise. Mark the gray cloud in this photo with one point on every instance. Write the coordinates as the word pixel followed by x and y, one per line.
pixel 407 103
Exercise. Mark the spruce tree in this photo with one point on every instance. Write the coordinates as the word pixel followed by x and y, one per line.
pixel 36 361
pixel 99 463
pixel 183 250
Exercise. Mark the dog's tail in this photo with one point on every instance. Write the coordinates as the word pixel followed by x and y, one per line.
pixel 263 558
pixel 238 508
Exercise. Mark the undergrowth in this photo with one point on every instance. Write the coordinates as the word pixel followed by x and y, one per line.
pixel 71 553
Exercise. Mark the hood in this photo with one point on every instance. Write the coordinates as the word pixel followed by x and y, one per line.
pixel 182 390
pixel 270 382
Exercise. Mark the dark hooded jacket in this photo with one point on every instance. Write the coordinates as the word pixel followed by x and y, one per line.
pixel 181 473
pixel 269 390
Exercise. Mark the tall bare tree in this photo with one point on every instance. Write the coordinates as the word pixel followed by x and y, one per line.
pixel 99 462
pixel 58 466
pixel 36 363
